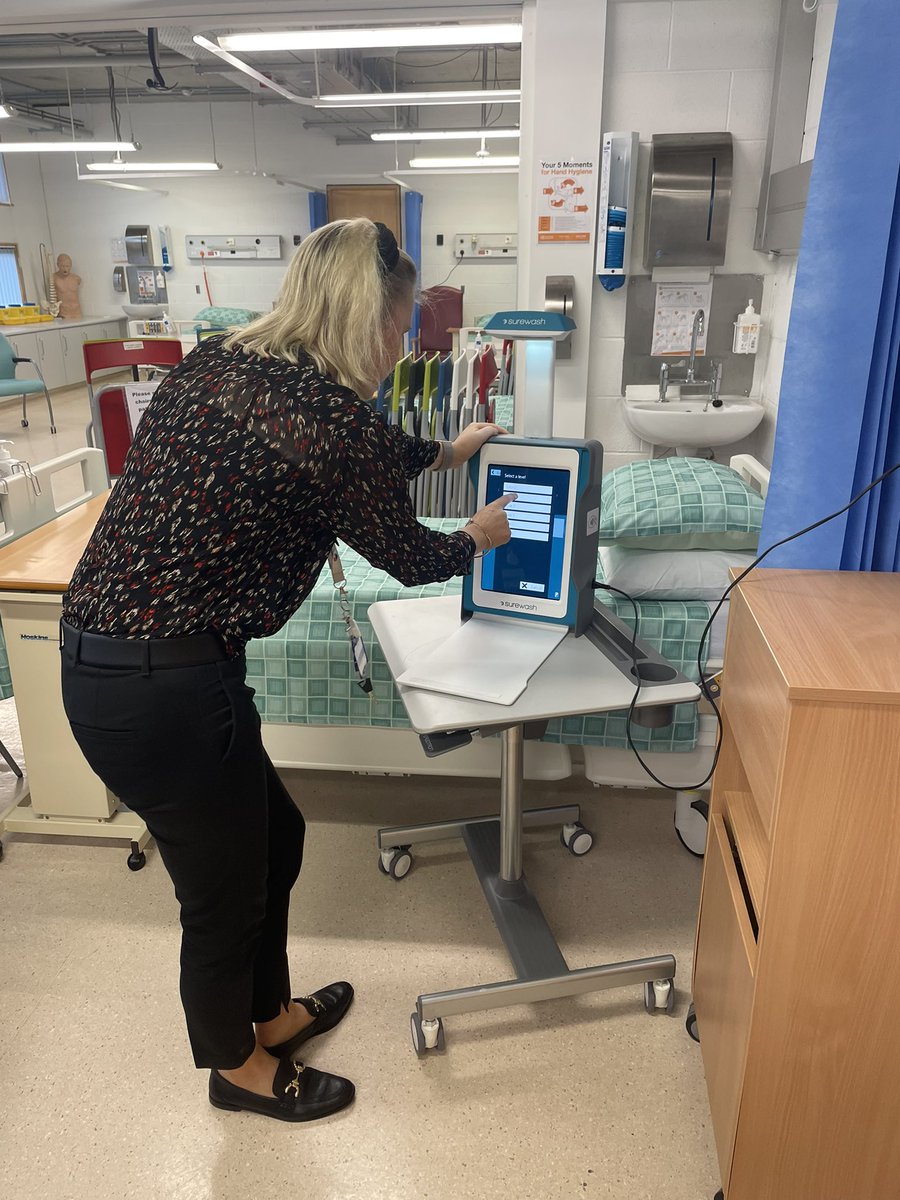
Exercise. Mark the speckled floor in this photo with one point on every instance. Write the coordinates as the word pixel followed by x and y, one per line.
pixel 577 1098
pixel 588 1098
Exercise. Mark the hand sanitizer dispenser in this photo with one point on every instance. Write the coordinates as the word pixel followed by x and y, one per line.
pixel 746 331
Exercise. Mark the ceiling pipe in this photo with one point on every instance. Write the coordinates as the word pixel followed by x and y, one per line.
pixel 86 63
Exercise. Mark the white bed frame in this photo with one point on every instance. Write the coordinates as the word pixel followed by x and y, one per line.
pixel 366 750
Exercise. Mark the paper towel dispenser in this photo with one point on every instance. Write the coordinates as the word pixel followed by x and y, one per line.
pixel 688 198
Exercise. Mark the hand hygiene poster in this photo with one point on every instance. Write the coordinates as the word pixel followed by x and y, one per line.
pixel 565 200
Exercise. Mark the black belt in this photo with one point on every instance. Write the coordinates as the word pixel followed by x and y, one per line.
pixel 97 650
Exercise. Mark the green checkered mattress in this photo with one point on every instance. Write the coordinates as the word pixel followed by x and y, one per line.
pixel 303 674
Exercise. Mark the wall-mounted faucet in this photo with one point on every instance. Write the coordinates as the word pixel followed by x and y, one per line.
pixel 696 333
pixel 709 388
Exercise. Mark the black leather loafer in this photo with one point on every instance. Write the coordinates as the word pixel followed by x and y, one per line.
pixel 328 1006
pixel 299 1093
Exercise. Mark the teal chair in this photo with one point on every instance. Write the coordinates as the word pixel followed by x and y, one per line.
pixel 10 386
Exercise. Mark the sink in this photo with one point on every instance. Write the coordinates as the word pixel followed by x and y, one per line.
pixel 684 425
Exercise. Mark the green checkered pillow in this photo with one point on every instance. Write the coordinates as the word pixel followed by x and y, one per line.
pixel 678 504
pixel 226 318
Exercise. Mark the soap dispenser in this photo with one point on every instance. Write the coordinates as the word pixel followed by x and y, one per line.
pixel 746 331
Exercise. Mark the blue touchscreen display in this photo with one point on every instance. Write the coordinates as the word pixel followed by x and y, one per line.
pixel 532 562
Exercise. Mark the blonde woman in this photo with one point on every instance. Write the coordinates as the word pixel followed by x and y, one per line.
pixel 257 452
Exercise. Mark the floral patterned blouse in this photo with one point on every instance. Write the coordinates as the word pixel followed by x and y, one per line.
pixel 243 473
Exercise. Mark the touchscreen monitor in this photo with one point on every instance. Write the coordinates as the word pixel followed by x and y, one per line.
pixel 531 563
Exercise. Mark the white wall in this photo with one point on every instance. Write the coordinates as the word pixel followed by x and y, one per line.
pixel 682 66
pixel 24 221
pixel 779 293
pixel 85 216
pixel 464 204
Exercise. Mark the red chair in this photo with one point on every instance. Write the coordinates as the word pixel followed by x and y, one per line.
pixel 440 310
pixel 109 429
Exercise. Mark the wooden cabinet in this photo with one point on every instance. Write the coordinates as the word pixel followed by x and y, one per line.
pixel 797 962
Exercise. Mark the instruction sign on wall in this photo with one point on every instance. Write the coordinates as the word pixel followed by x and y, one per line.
pixel 673 317
pixel 565 193
pixel 137 397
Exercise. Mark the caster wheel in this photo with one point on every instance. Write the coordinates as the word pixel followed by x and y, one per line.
pixel 426 1035
pixel 137 858
pixel 1 852
pixel 24 424
pixel 690 1024
pixel 53 429
pixel 576 839
pixel 720 1195
pixel 659 996
pixel 691 822
pixel 396 861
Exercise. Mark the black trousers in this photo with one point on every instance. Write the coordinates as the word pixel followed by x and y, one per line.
pixel 181 746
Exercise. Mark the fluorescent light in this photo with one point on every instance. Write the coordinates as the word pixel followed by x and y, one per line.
pixel 5 111
pixel 68 147
pixel 240 65
pixel 143 168
pixel 487 160
pixel 384 36
pixel 402 99
pixel 441 135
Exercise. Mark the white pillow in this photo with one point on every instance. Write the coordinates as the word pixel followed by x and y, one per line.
pixel 671 574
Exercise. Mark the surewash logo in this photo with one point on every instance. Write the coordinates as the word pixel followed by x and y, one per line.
pixel 519 607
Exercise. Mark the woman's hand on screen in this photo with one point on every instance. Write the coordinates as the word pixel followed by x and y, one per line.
pixel 490 525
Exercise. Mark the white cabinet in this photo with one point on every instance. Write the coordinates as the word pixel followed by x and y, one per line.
pixel 51 359
pixel 71 342
pixel 57 350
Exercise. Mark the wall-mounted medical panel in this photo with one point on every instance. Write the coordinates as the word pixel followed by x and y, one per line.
pixel 688 199
pixel 486 246
pixel 224 246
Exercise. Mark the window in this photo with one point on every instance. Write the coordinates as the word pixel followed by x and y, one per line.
pixel 12 288
pixel 4 183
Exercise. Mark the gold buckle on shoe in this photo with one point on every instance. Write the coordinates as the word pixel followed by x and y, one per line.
pixel 295 1082
pixel 316 1003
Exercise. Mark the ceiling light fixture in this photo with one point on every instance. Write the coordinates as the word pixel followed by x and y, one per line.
pixel 145 168
pixel 441 135
pixel 246 69
pixel 68 147
pixel 394 37
pixel 474 161
pixel 5 111
pixel 404 99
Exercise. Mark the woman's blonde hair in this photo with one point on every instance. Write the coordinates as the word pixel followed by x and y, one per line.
pixel 336 303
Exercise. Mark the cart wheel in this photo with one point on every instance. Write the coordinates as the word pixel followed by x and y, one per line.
pixel 690 1024
pixel 137 858
pixel 1 852
pixel 659 996
pixel 691 822
pixel 426 1035
pixel 720 1195
pixel 576 839
pixel 24 423
pixel 395 861
pixel 53 429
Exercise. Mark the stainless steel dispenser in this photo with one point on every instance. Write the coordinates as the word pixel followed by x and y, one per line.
pixel 689 195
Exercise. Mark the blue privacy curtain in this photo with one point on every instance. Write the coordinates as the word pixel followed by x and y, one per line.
pixel 839 412
pixel 318 210
pixel 412 240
